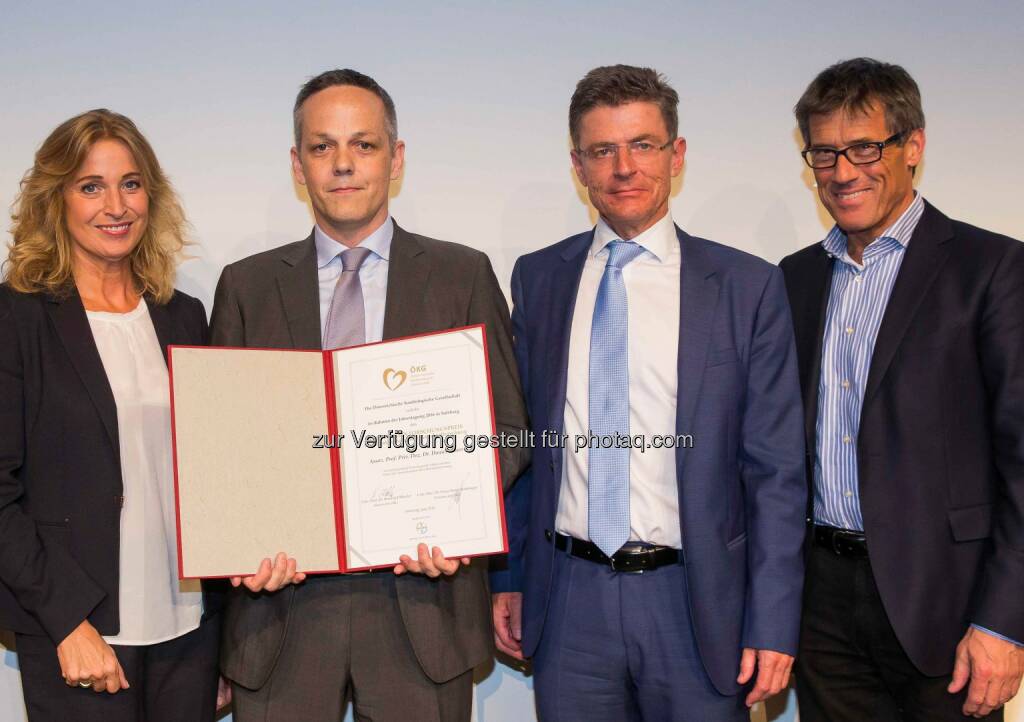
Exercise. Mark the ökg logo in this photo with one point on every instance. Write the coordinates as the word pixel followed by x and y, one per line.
pixel 393 379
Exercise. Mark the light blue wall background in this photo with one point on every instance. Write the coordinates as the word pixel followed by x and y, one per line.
pixel 482 90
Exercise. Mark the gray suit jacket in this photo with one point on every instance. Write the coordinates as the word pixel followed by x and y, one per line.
pixel 271 300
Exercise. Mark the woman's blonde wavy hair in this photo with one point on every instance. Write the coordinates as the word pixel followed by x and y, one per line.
pixel 40 258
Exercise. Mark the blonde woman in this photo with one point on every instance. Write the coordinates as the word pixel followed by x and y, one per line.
pixel 88 577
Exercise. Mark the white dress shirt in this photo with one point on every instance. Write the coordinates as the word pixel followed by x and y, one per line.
pixel 373 275
pixel 652 289
pixel 153 605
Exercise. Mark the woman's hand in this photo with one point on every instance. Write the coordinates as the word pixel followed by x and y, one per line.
pixel 86 660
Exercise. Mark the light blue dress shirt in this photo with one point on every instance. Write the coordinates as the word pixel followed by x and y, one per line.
pixel 856 304
pixel 373 275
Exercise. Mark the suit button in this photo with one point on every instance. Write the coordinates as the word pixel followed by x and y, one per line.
pixel 551 465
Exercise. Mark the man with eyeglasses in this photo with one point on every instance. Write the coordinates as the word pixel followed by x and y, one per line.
pixel 910 333
pixel 651 580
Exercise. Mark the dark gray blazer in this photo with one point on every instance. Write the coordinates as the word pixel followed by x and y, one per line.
pixel 271 300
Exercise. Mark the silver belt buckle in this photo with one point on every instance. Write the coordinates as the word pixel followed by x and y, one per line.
pixel 611 561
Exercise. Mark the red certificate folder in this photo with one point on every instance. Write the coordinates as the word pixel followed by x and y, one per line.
pixel 309 453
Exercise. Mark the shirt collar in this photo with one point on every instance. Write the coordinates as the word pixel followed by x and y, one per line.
pixel 900 231
pixel 378 242
pixel 658 240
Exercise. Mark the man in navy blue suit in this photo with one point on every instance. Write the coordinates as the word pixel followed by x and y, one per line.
pixel 656 567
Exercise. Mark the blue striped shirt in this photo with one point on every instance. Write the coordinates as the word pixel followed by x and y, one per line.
pixel 856 303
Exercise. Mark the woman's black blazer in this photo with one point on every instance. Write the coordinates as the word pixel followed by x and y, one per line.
pixel 60 473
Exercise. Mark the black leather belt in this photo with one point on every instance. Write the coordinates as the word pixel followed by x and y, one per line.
pixel 632 557
pixel 841 542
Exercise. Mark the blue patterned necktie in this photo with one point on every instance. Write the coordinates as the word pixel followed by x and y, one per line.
pixel 608 468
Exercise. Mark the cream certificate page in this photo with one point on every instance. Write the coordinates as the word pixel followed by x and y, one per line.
pixel 249 482
pixel 404 410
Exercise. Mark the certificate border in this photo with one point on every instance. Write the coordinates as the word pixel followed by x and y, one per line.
pixel 174 462
pixel 335 454
pixel 497 454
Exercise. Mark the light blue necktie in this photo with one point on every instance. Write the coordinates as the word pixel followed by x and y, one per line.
pixel 608 513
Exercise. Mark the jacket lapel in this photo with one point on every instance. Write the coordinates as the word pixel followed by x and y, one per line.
pixel 299 289
pixel 72 325
pixel 817 282
pixel 563 286
pixel 167 331
pixel 408 275
pixel 926 252
pixel 698 299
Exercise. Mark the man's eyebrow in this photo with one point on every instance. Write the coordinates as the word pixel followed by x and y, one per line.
pixel 855 141
pixel 357 135
pixel 642 136
pixel 635 139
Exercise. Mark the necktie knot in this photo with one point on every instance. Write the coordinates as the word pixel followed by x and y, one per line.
pixel 620 253
pixel 353 258
pixel 346 317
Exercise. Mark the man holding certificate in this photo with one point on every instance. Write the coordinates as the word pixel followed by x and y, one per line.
pixel 402 643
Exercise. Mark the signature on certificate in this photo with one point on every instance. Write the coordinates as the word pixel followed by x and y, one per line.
pixel 455 495
pixel 382 493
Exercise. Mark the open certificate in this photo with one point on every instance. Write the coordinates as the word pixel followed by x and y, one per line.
pixel 343 459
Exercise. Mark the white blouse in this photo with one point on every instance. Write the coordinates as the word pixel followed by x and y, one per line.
pixel 154 605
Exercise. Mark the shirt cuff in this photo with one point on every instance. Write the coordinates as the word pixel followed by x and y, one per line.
pixel 997 635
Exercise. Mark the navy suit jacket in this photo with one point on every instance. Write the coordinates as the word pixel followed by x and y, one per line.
pixel 742 491
pixel 940 454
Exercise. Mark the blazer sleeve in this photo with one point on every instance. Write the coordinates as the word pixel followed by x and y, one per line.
pixel 506 573
pixel 772 473
pixel 45 580
pixel 226 325
pixel 997 599
pixel 487 305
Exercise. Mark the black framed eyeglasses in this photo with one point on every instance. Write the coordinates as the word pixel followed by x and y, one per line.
pixel 858 154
